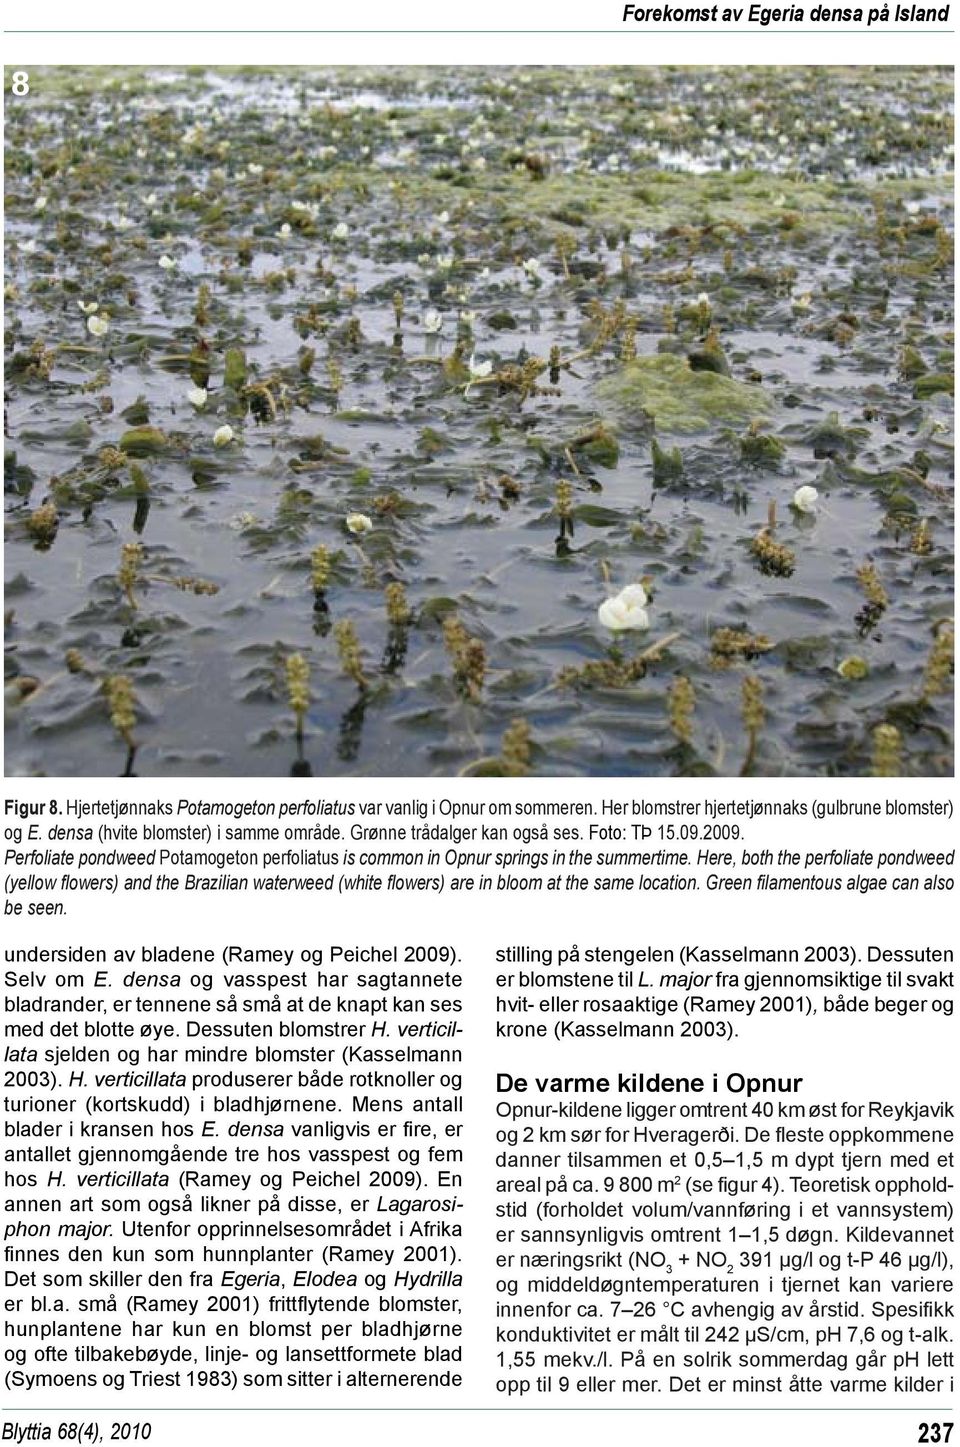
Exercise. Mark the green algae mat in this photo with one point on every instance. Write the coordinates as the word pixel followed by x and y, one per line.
pixel 479 421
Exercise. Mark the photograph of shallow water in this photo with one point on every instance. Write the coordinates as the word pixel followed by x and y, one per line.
pixel 479 421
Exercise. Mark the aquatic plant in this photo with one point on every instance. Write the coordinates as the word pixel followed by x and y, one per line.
pixel 877 600
pixel 335 378
pixel 563 507
pixel 667 465
pixel 128 573
pixel 43 522
pixel 938 672
pixel 235 370
pixel 671 300
pixel 854 668
pixel 260 398
pixel 772 556
pixel 886 760
pixel 681 702
pixel 513 760
pixel 468 657
pixel 761 448
pixel 320 568
pixel 399 612
pixel 297 675
pixel 709 356
pixel 729 645
pixel 121 706
pixel 754 716
pixel 615 671
pixel 680 399
pixel 515 748
pixel 350 653
pixel 201 587
pixel 143 442
pixel 830 438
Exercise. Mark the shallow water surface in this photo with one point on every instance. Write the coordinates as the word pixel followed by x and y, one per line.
pixel 551 333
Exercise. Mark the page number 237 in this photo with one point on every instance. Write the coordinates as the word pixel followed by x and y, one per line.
pixel 934 1432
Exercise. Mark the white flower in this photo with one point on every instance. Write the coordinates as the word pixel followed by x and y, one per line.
pixel 285 229
pixel 912 208
pixel 123 223
pixel 358 522
pixel 443 218
pixel 627 612
pixel 477 370
pixel 40 204
pixel 533 268
pixel 28 247
pixel 151 200
pixel 167 263
pixel 341 231
pixel 703 299
pixel 805 499
pixel 197 397
pixel 223 436
pixel 445 262
pixel 97 326
pixel 432 321
pixel 88 307
pixel 255 169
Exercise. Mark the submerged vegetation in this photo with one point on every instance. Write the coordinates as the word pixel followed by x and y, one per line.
pixel 494 422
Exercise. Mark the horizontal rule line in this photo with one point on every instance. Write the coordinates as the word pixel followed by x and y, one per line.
pixel 151 1411
pixel 628 30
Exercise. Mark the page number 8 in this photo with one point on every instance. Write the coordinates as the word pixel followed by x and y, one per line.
pixel 21 83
